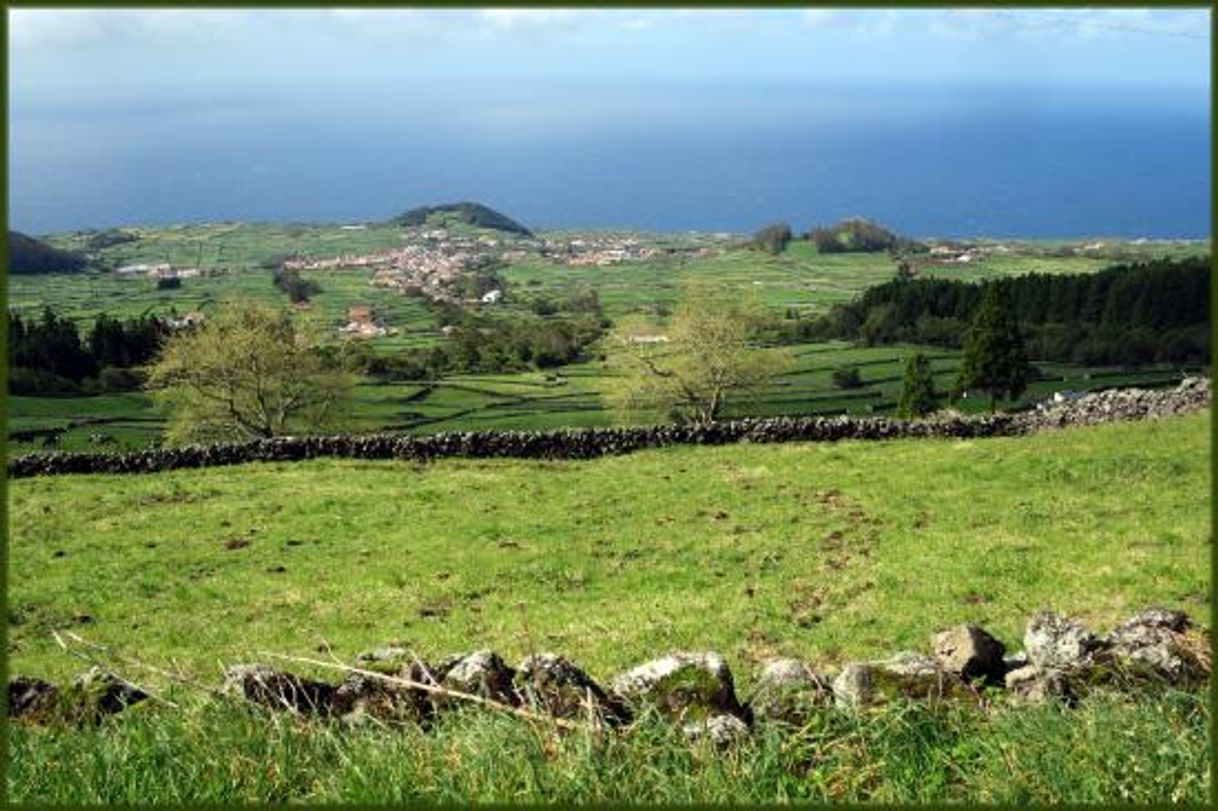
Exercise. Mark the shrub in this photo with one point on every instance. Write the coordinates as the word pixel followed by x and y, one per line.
pixel 847 377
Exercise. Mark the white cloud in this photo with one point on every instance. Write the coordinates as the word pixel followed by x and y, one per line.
pixel 44 28
pixel 979 23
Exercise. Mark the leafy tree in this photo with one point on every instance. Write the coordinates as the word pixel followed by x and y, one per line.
pixel 918 396
pixel 773 238
pixel 248 372
pixel 994 356
pixel 298 289
pixel 706 363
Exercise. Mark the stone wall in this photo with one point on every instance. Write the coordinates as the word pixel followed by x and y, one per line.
pixel 1061 661
pixel 588 443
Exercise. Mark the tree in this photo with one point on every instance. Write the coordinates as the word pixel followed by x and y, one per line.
pixel 994 356
pixel 703 363
pixel 773 238
pixel 248 372
pixel 918 396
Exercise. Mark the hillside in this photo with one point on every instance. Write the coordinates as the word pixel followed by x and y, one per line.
pixel 27 255
pixel 750 550
pixel 474 214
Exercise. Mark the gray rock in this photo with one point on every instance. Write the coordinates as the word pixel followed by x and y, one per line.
pixel 691 686
pixel 104 693
pixel 553 684
pixel 1053 642
pixel 481 673
pixel 276 689
pixel 1160 645
pixel 970 653
pixel 907 675
pixel 31 700
pixel 721 731
pixel 788 691
pixel 1035 685
pixel 1014 661
pixel 361 697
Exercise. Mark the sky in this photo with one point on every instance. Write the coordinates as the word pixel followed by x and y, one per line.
pixel 571 116
pixel 61 51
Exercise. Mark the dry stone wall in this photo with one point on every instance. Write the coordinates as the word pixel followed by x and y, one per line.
pixel 1062 662
pixel 588 443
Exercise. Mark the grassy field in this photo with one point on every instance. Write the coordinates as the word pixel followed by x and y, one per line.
pixel 826 552
pixel 799 278
pixel 752 550
pixel 1106 751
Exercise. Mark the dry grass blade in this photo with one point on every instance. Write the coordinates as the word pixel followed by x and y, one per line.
pixel 109 667
pixel 432 688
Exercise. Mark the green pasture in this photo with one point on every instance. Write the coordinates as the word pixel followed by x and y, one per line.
pixel 823 551
pixel 798 279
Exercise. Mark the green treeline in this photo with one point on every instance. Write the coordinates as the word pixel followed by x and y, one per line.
pixel 48 356
pixel 1128 314
pixel 859 236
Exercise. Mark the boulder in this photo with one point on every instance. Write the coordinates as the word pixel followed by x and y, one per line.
pixel 553 684
pixel 907 675
pixel 681 685
pixel 481 673
pixel 1160 645
pixel 789 692
pixel 721 731
pixel 31 700
pixel 361 696
pixel 970 653
pixel 276 689
pixel 1036 685
pixel 96 693
pixel 1053 642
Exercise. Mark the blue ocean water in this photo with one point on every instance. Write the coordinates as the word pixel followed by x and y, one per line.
pixel 1048 162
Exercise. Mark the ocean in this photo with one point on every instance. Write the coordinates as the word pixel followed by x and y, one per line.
pixel 1009 162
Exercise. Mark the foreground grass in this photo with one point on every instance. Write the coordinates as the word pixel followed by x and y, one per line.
pixel 1154 750
pixel 824 552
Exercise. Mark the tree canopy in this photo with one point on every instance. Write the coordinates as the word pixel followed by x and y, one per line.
pixel 703 363
pixel 994 356
pixel 918 396
pixel 248 372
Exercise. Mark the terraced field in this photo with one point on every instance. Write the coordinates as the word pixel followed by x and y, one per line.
pixel 568 398
pixel 799 280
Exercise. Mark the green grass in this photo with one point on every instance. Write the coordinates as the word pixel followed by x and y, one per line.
pixel 1153 750
pixel 824 551
pixel 827 552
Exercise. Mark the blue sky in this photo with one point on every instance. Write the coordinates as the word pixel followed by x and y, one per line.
pixel 614 117
pixel 80 52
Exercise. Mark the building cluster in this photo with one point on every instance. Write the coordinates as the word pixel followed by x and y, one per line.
pixel 362 323
pixel 163 270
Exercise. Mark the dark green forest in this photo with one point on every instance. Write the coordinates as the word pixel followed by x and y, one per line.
pixel 1127 314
